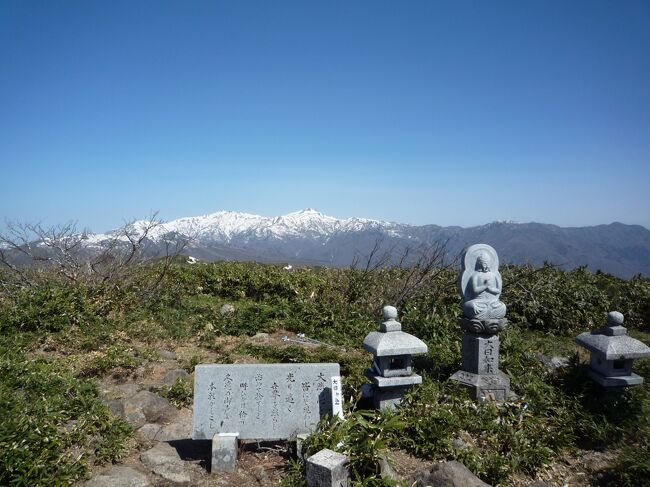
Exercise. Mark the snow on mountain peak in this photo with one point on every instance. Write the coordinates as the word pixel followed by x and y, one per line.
pixel 227 226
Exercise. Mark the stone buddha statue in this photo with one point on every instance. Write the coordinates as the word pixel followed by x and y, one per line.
pixel 480 285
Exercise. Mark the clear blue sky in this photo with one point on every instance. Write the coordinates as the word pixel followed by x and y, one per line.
pixel 419 112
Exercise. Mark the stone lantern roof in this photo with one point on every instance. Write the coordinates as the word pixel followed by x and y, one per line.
pixel 391 340
pixel 612 342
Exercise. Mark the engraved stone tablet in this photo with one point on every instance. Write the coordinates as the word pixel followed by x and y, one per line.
pixel 261 401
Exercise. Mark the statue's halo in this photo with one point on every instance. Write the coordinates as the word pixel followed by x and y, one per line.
pixel 470 255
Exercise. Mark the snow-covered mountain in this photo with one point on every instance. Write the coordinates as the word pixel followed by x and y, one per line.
pixel 225 227
pixel 310 237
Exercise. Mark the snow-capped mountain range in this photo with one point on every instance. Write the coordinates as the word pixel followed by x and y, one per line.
pixel 230 226
pixel 310 237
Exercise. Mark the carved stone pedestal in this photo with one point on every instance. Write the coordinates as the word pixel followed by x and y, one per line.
pixel 480 368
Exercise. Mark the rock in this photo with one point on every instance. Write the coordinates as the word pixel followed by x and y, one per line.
pixel 261 336
pixel 164 461
pixel 119 477
pixel 539 483
pixel 448 474
pixel 173 375
pixel 167 354
pixel 179 429
pixel 127 389
pixel 150 431
pixel 553 363
pixel 147 407
pixel 116 406
pixel 227 309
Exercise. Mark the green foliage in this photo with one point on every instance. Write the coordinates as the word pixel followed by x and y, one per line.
pixel 48 308
pixel 47 421
pixel 116 356
pixel 180 393
pixel 554 300
pixel 45 408
pixel 632 467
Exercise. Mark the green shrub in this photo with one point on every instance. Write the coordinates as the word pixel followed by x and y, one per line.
pixel 50 423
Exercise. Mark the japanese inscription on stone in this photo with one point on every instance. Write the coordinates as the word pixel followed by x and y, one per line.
pixel 273 401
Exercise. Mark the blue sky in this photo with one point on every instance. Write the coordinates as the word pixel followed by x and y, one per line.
pixel 454 113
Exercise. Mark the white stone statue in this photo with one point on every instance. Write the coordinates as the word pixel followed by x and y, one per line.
pixel 480 286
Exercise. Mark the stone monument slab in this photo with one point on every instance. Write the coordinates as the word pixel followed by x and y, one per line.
pixel 261 401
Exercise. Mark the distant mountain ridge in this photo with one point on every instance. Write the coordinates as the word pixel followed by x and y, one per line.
pixel 310 237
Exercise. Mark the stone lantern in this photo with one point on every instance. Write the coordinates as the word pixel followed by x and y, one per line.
pixel 391 373
pixel 612 353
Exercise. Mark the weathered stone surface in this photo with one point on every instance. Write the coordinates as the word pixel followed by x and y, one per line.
pixel 173 375
pixel 179 429
pixel 159 454
pixel 327 469
pixel 275 401
pixel 224 452
pixel 126 390
pixel 116 406
pixel 150 430
pixel 119 477
pixel 165 462
pixel 493 387
pixel 480 354
pixel 147 407
pixel 553 364
pixel 448 474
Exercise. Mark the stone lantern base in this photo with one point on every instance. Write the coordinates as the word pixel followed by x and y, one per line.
pixel 387 392
pixel 631 379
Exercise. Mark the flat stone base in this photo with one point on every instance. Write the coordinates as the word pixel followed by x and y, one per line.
pixel 387 392
pixel 224 452
pixel 616 381
pixel 493 387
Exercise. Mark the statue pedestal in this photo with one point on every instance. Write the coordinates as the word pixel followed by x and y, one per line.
pixel 480 368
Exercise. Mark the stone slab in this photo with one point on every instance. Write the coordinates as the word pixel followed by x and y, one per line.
pixel 261 401
pixel 492 387
pixel 224 452
pixel 327 468
pixel 384 382
pixel 619 381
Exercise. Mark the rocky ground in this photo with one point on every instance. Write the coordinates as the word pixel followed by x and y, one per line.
pixel 162 452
